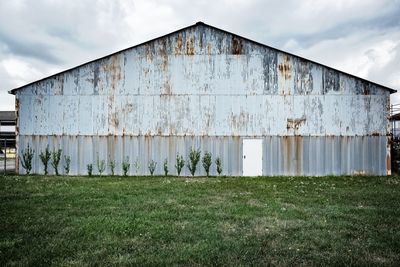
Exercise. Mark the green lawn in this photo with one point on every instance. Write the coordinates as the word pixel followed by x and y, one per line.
pixel 63 221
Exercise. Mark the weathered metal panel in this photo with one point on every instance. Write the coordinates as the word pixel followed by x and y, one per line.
pixel 230 114
pixel 209 88
pixel 286 155
pixel 55 119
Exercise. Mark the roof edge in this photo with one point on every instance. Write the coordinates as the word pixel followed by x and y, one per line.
pixel 391 90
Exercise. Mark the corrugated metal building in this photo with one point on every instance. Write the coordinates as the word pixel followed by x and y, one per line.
pixel 207 88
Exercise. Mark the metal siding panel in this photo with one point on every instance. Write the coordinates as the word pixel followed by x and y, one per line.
pixel 85 115
pixel 100 120
pixel 56 118
pixel 285 74
pixel 40 114
pixel 25 115
pixel 86 78
pixel 305 159
pixel 71 115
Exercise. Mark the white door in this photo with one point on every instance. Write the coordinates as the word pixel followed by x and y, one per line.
pixel 252 157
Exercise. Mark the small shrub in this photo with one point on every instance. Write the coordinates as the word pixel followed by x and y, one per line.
pixel 152 166
pixel 180 163
pixel 112 167
pixel 218 162
pixel 89 169
pixel 125 166
pixel 194 158
pixel 55 159
pixel 26 160
pixel 166 167
pixel 136 164
pixel 207 161
pixel 45 158
pixel 101 165
pixel 67 164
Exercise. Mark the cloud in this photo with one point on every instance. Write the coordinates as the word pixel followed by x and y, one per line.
pixel 39 38
pixel 17 46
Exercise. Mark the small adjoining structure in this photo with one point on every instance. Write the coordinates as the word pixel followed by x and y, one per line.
pixel 7 129
pixel 262 110
pixel 7 141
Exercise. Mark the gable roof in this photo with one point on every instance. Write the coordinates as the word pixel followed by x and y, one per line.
pixel 13 91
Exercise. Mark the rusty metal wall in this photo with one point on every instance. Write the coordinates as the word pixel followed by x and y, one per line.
pixel 205 84
pixel 212 115
pixel 282 155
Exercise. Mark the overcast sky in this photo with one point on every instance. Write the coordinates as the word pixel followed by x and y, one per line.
pixel 42 37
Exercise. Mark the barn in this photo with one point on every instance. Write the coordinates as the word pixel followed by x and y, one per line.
pixel 263 111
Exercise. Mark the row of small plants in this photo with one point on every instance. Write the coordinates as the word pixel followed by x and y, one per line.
pixel 54 158
pixel 46 157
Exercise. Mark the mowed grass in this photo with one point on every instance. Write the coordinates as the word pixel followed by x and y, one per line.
pixel 78 221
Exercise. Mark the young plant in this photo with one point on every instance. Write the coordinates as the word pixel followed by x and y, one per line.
pixel 89 169
pixel 67 164
pixel 136 164
pixel 218 162
pixel 166 167
pixel 207 161
pixel 152 166
pixel 180 163
pixel 55 159
pixel 125 166
pixel 194 158
pixel 45 158
pixel 101 165
pixel 112 167
pixel 26 160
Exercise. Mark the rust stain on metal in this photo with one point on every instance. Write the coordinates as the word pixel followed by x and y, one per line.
pixel 114 70
pixel 179 44
pixel 129 108
pixel 288 148
pixel 148 52
pixel 239 120
pixel 285 68
pixel 58 85
pixel 363 88
pixel 165 62
pixel 190 46
pixel 164 55
pixel 237 46
pixel 295 123
pixel 114 119
pixel 166 89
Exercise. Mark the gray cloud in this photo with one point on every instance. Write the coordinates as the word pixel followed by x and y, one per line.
pixel 20 47
pixel 384 22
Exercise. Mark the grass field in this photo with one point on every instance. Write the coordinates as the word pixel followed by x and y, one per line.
pixel 78 221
